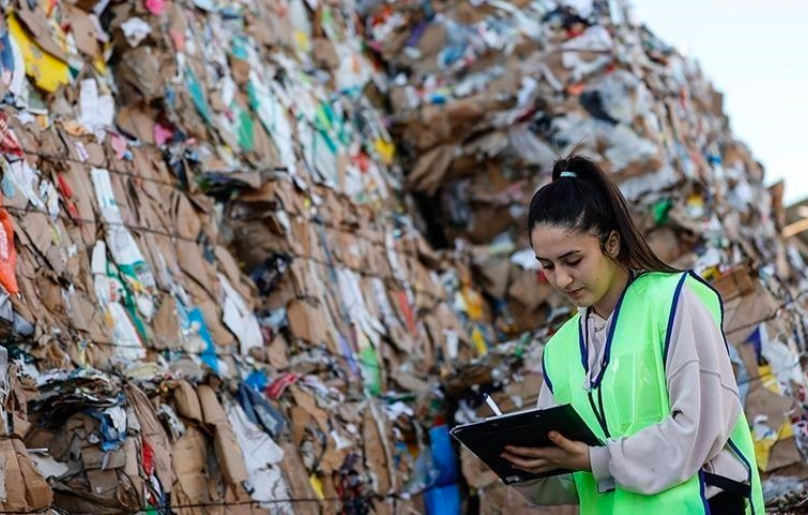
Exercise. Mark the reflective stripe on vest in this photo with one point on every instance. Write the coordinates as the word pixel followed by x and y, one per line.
pixel 630 392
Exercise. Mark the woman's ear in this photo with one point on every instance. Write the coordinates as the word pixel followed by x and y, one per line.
pixel 613 244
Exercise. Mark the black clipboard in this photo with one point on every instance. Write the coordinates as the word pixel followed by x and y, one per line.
pixel 487 439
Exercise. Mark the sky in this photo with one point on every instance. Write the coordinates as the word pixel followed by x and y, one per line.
pixel 756 53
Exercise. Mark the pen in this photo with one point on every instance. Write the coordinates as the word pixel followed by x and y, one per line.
pixel 492 405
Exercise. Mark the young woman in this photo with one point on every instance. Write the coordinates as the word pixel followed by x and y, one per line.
pixel 644 362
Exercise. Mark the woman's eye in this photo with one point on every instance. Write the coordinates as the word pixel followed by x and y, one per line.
pixel 547 267
pixel 574 263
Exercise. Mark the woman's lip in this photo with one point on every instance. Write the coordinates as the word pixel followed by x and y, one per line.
pixel 575 293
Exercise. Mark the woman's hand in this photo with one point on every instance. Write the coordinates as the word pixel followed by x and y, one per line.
pixel 566 454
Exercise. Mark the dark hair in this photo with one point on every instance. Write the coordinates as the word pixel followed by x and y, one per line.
pixel 585 199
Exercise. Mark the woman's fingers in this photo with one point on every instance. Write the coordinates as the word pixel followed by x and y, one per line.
pixel 567 454
pixel 562 443
pixel 530 452
pixel 529 464
pixel 545 453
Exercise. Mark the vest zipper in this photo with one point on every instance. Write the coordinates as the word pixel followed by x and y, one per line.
pixel 603 413
pixel 600 414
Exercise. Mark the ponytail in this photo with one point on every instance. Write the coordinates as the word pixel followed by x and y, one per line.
pixel 584 199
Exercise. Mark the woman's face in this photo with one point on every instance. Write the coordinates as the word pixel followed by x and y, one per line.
pixel 575 264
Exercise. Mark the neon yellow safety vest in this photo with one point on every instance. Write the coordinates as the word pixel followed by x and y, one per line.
pixel 630 392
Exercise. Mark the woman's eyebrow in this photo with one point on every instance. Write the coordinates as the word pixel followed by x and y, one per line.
pixel 562 256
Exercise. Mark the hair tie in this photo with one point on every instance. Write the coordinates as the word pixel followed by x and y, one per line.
pixel 572 175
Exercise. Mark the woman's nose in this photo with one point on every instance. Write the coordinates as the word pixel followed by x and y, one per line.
pixel 563 279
